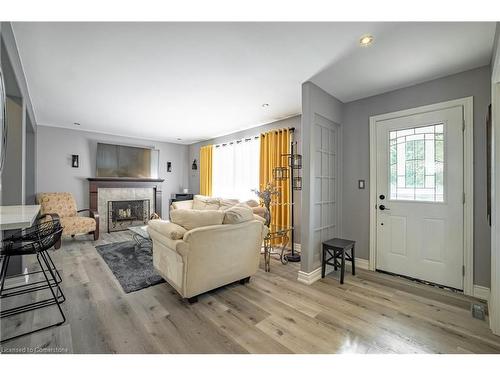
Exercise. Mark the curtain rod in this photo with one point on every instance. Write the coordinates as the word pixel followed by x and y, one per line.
pixel 237 141
pixel 292 129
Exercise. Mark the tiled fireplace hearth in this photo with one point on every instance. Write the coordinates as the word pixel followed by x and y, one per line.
pixel 146 193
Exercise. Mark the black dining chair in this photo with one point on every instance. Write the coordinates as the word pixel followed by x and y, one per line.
pixel 36 240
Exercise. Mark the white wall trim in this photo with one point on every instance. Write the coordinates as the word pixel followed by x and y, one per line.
pixel 482 292
pixel 363 264
pixel 494 304
pixel 467 105
pixel 309 277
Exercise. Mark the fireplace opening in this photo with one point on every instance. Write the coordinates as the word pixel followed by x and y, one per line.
pixel 125 214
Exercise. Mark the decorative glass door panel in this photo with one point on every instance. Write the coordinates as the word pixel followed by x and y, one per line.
pixel 417 164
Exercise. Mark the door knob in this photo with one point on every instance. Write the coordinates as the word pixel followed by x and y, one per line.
pixel 382 207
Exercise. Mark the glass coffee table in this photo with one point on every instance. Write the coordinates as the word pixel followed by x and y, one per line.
pixel 141 237
pixel 280 235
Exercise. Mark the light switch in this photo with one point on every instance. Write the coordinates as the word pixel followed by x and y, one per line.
pixel 361 184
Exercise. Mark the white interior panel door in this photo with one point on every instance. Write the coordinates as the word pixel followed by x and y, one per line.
pixel 326 181
pixel 420 196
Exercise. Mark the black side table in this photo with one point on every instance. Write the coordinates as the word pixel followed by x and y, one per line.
pixel 336 250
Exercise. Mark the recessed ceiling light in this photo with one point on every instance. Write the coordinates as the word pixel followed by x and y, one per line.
pixel 366 40
pixel 76 124
pixel 265 105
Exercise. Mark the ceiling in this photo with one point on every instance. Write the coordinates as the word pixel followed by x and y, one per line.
pixel 195 81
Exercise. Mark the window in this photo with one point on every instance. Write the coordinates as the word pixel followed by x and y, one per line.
pixel 417 164
pixel 236 169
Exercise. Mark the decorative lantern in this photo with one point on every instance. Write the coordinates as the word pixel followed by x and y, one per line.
pixel 280 173
pixel 296 161
pixel 297 183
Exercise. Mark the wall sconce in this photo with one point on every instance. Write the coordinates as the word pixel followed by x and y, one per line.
pixel 74 161
pixel 169 166
pixel 297 183
pixel 194 167
pixel 280 173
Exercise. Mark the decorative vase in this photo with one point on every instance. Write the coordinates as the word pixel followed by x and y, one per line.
pixel 267 215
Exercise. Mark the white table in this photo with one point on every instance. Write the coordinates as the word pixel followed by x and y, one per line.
pixel 18 217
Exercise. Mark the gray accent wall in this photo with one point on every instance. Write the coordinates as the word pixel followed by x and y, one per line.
pixel 291 122
pixel 315 102
pixel 12 176
pixel 356 156
pixel 55 174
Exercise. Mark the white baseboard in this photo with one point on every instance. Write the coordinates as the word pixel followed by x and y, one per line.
pixel 482 292
pixel 311 277
pixel 315 275
pixel 363 264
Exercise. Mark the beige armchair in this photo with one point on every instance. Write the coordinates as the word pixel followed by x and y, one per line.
pixel 63 206
pixel 207 257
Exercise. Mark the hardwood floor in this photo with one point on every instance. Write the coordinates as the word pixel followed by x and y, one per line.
pixel 274 313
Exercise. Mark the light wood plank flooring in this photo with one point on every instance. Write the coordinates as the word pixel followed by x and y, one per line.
pixel 370 313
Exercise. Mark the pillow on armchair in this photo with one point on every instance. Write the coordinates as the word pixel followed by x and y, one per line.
pixel 191 219
pixel 201 202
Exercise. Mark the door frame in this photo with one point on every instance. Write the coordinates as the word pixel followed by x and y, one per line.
pixel 468 235
pixel 494 302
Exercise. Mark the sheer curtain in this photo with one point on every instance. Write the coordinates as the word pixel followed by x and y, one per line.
pixel 236 169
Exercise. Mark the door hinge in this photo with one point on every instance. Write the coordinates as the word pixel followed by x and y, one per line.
pixel 463 198
pixel 463 125
pixel 463 270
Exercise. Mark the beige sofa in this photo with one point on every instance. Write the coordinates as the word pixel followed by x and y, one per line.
pixel 203 249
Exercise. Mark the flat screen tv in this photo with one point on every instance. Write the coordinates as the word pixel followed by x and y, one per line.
pixel 126 161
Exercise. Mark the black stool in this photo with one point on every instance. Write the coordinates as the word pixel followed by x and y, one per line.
pixel 337 250
pixel 35 240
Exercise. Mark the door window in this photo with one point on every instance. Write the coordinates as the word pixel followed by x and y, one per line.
pixel 417 164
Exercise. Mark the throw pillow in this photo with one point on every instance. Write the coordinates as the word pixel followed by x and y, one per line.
pixel 261 211
pixel 201 202
pixel 259 218
pixel 171 230
pixel 228 203
pixel 238 214
pixel 191 219
pixel 252 203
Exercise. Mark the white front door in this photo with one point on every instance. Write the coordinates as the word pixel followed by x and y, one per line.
pixel 420 196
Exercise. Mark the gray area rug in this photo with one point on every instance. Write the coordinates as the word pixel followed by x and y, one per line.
pixel 131 265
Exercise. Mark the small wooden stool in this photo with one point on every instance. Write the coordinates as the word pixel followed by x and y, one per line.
pixel 337 250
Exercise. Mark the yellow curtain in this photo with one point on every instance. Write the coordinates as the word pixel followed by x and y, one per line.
pixel 273 145
pixel 206 153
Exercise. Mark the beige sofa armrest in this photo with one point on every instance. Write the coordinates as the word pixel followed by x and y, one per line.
pixel 165 227
pixel 182 205
pixel 178 246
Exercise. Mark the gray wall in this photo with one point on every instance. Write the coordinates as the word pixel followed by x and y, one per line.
pixel 315 101
pixel 30 164
pixel 291 122
pixel 356 164
pixel 54 172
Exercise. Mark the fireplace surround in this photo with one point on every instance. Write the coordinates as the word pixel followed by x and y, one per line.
pixel 107 184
